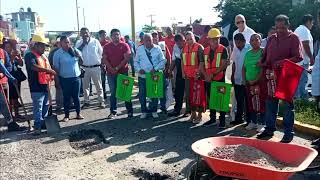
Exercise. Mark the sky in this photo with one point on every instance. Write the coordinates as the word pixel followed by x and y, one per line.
pixel 108 14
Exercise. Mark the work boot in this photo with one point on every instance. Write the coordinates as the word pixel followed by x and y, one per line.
pixel 13 126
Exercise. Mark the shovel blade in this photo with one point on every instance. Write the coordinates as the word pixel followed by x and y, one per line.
pixel 52 124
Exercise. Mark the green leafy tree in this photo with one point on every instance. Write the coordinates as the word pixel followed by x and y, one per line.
pixel 260 14
pixel 147 28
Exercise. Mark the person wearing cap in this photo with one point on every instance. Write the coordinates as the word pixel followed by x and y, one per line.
pixel 59 94
pixel 192 57
pixel 215 64
pixel 91 50
pixel 169 39
pixel 141 35
pixel 166 52
pixel 39 76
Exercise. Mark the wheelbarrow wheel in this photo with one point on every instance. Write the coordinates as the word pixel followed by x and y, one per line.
pixel 201 171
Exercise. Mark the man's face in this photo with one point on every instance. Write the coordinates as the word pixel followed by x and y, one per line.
pixel 240 23
pixel 103 36
pixel 8 48
pixel 281 27
pixel 147 41
pixel 41 48
pixel 190 39
pixel 181 43
pixel 240 44
pixel 155 38
pixel 214 42
pixel 85 34
pixel 65 44
pixel 115 36
pixel 126 39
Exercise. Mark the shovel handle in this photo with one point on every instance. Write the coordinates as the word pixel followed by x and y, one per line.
pixel 20 98
pixel 6 100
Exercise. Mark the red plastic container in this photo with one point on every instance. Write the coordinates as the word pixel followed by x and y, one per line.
pixel 297 156
pixel 288 80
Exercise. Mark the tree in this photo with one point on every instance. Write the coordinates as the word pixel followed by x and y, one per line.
pixel 147 28
pixel 260 14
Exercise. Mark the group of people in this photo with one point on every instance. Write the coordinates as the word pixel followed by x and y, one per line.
pixel 183 59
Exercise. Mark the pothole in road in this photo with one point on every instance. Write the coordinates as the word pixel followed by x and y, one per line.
pixel 145 175
pixel 86 139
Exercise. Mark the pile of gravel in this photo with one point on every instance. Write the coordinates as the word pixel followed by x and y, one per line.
pixel 145 175
pixel 248 154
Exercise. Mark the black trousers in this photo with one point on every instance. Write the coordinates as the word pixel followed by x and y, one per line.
pixel 179 87
pixel 240 93
pixel 213 112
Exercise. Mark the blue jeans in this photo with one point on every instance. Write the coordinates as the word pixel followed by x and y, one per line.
pixel 301 92
pixel 143 99
pixel 40 108
pixel 112 81
pixel 71 89
pixel 272 106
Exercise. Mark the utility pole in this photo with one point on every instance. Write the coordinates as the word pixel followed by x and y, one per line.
pixel 133 29
pixel 151 18
pixel 84 18
pixel 78 17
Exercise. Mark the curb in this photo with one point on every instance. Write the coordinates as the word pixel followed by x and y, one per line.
pixel 302 128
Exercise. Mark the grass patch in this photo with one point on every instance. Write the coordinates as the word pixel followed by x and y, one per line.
pixel 305 112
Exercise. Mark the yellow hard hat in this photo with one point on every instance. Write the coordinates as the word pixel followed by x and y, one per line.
pixel 40 39
pixel 1 37
pixel 214 33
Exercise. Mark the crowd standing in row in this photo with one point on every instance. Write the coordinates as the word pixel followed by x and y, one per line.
pixel 182 58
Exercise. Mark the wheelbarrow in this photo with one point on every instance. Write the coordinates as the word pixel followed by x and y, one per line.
pixel 296 156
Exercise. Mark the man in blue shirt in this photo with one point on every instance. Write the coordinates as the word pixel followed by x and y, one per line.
pixel 133 53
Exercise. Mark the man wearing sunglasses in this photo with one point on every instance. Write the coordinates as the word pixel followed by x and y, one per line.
pixel 240 22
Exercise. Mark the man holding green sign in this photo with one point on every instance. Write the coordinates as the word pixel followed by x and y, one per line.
pixel 215 64
pixel 150 62
pixel 116 56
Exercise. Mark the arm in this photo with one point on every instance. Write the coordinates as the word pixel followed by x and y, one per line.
pixel 4 70
pixel 106 62
pixel 8 64
pixel 307 49
pixel 79 56
pixel 182 68
pixel 201 58
pixel 100 50
pixel 136 62
pixel 296 50
pixel 56 62
pixel 127 57
pixel 233 71
pixel 244 75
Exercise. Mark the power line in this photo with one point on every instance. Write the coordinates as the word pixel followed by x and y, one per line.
pixel 151 19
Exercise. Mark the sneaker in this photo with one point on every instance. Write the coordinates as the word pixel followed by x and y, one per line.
pixel 36 132
pixel 102 105
pixel 143 115
pixel 85 105
pixel 130 115
pixel 186 114
pixel 112 115
pixel 265 134
pixel 65 119
pixel 163 112
pixel 251 126
pixel 260 128
pixel 210 123
pixel 79 117
pixel 13 126
pixel 286 139
pixel 173 114
pixel 155 115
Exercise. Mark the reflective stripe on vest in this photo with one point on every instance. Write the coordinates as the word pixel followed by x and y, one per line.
pixel 217 57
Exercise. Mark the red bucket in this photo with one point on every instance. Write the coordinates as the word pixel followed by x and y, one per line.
pixel 288 80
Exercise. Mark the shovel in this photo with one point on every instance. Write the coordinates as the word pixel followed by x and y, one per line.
pixel 24 108
pixel 51 121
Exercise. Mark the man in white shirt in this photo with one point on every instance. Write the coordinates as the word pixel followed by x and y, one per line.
pixel 92 54
pixel 237 57
pixel 303 31
pixel 240 22
pixel 149 58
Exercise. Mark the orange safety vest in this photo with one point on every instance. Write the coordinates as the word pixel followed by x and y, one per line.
pixel 211 67
pixel 42 61
pixel 3 57
pixel 190 60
